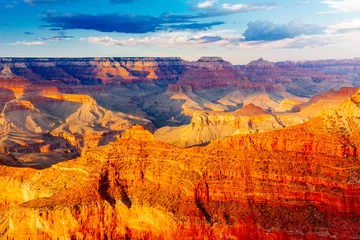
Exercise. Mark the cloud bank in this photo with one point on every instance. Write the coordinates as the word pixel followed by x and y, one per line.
pixel 342 6
pixel 269 31
pixel 126 23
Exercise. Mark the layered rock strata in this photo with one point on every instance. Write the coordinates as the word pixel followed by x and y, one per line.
pixel 298 183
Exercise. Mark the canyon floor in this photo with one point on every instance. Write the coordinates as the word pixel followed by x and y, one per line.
pixel 162 148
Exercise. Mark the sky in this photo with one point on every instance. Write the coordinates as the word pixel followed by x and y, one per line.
pixel 236 30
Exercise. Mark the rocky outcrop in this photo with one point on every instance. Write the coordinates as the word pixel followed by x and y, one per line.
pixel 6 72
pixel 208 126
pixel 321 102
pixel 9 160
pixel 138 133
pixel 251 109
pixel 210 73
pixel 79 98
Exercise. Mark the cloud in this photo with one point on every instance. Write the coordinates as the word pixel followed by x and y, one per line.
pixel 229 9
pixel 29 33
pixel 107 41
pixel 137 24
pixel 195 26
pixel 24 43
pixel 125 23
pixel 205 4
pixel 269 31
pixel 346 26
pixel 207 39
pixel 235 7
pixel 307 42
pixel 121 1
pixel 228 41
pixel 102 41
pixel 55 29
pixel 173 41
pixel 302 36
pixel 304 41
pixel 342 6
pixel 306 37
pixel 234 42
pixel 259 34
pixel 60 37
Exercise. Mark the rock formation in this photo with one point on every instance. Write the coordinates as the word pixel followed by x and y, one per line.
pixel 281 159
pixel 301 182
pixel 93 71
pixel 6 72
pixel 206 126
pixel 347 68
pixel 37 118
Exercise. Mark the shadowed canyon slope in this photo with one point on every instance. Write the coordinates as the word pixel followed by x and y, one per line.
pixel 41 119
pixel 301 182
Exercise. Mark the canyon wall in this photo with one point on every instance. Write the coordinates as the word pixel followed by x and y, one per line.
pixel 95 71
pixel 296 183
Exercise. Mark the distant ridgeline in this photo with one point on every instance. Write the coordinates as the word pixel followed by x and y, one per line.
pixel 168 70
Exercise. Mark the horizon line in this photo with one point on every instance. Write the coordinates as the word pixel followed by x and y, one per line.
pixel 180 58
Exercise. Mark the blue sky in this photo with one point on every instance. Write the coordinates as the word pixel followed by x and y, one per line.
pixel 237 30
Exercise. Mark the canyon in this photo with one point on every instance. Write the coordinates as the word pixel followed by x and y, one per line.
pixel 163 148
pixel 301 182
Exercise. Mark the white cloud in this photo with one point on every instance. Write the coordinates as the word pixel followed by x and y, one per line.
pixel 210 9
pixel 346 26
pixel 305 41
pixel 247 7
pixel 230 41
pixel 342 6
pixel 206 4
pixel 102 40
pixel 342 34
pixel 179 42
pixel 24 43
pixel 107 41
pixel 235 7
